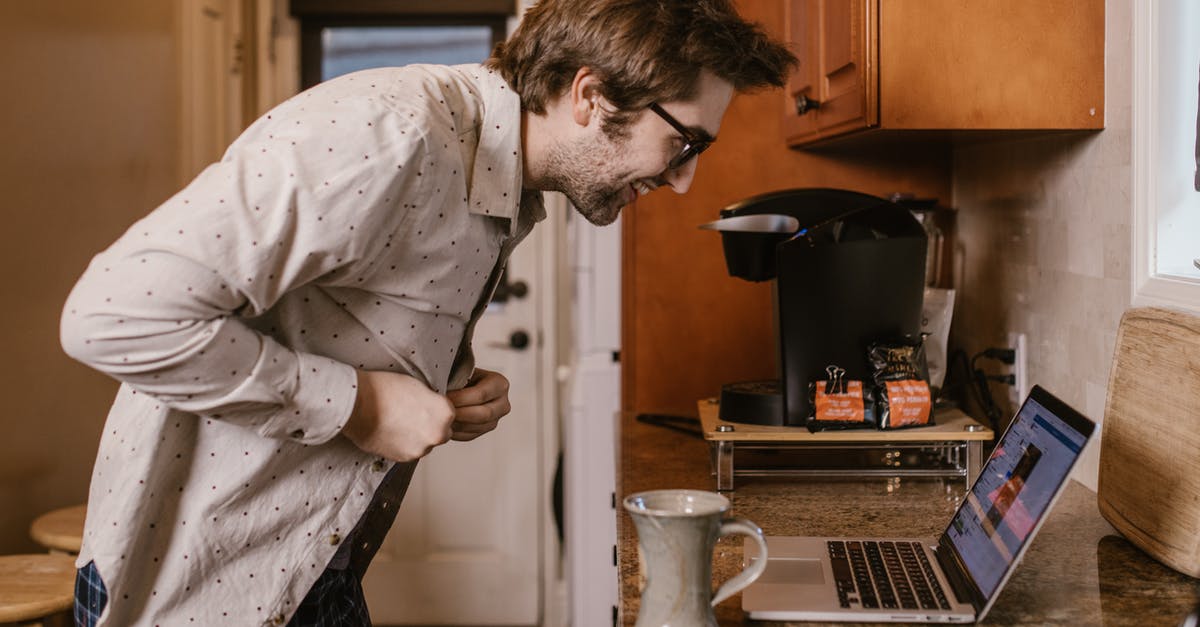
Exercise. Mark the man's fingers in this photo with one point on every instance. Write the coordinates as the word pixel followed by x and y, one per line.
pixel 467 396
pixel 484 386
pixel 475 414
pixel 464 436
pixel 476 420
pixel 478 428
pixel 479 407
pixel 466 431
pixel 486 413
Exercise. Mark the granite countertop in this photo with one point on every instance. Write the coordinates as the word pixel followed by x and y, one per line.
pixel 1078 571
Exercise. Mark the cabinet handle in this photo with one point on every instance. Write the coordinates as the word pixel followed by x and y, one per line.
pixel 804 104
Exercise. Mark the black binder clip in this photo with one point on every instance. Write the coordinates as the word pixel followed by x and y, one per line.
pixel 836 383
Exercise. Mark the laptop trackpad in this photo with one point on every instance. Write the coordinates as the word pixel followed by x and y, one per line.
pixel 792 571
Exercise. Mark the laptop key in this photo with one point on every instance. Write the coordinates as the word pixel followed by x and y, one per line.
pixel 841 569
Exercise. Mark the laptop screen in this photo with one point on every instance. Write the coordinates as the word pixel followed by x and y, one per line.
pixel 1013 491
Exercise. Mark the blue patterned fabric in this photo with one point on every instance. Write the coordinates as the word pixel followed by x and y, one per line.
pixel 335 600
pixel 90 596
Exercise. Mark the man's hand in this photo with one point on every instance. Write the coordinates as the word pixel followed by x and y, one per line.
pixel 479 407
pixel 395 416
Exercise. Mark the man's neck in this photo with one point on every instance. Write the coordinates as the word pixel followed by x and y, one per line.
pixel 540 133
pixel 534 142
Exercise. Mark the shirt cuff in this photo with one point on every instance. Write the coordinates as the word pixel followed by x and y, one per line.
pixel 320 403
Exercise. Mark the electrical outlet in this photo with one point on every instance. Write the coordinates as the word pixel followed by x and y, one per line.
pixel 1020 369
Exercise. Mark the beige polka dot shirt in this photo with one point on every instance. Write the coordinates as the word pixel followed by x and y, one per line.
pixel 361 224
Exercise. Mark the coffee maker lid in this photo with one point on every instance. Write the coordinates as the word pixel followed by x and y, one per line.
pixel 752 228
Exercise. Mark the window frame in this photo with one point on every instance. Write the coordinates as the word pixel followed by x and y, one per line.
pixel 1150 288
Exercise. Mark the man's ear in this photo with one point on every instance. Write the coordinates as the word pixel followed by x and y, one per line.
pixel 585 96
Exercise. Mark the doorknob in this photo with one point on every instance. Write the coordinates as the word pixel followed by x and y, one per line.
pixel 506 288
pixel 518 340
pixel 519 289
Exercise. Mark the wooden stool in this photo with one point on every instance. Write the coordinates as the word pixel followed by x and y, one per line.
pixel 60 530
pixel 35 587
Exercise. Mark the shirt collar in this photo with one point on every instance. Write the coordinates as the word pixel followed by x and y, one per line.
pixel 498 175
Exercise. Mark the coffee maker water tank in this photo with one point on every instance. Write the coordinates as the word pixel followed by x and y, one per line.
pixel 849 270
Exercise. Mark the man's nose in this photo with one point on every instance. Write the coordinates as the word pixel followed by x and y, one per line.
pixel 680 179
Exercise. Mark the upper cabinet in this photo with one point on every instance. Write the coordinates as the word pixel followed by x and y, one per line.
pixel 876 66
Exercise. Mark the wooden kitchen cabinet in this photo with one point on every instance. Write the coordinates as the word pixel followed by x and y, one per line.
pixel 889 67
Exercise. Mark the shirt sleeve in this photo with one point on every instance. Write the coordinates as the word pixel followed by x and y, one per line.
pixel 309 190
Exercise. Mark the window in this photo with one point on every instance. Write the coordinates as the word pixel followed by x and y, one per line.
pixel 341 36
pixel 1166 82
pixel 346 49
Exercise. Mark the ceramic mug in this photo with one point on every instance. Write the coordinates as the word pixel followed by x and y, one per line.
pixel 677 531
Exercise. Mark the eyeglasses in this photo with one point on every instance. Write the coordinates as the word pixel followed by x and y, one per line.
pixel 693 143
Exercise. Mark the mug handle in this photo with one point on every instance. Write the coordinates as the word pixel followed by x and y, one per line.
pixel 750 573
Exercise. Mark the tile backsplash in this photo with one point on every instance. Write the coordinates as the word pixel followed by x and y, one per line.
pixel 1044 244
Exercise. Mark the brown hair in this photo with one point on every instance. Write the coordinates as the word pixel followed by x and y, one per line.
pixel 643 51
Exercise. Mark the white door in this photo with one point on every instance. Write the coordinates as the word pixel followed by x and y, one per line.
pixel 466 547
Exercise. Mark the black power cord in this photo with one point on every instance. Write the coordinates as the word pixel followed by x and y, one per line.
pixel 971 381
pixel 682 424
pixel 985 399
pixel 1006 356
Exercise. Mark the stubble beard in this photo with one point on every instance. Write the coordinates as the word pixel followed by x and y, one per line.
pixel 583 172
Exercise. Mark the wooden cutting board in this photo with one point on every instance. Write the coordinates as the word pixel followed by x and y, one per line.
pixel 1149 483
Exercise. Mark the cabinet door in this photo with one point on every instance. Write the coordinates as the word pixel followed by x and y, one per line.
pixel 992 64
pixel 848 36
pixel 802 20
pixel 837 43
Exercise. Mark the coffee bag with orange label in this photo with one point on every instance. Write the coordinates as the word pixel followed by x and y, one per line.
pixel 901 377
pixel 838 403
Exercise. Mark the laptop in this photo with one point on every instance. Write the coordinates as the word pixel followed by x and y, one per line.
pixel 954 578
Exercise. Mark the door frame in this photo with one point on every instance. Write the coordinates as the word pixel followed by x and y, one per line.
pixel 203 138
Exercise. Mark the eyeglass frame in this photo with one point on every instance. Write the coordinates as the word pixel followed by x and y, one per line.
pixel 693 144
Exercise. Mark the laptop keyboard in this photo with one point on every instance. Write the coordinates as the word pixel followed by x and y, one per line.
pixel 885 574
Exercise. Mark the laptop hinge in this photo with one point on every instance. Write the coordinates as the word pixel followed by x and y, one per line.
pixel 962 590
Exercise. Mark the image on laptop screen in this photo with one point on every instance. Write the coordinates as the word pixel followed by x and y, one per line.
pixel 1013 491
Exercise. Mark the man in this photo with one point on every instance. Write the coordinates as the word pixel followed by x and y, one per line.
pixel 292 330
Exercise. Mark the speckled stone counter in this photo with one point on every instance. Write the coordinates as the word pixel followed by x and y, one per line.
pixel 1078 571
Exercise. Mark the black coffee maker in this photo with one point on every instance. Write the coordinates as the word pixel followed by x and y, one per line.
pixel 849 270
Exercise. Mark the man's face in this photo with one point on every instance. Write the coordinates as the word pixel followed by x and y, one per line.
pixel 601 174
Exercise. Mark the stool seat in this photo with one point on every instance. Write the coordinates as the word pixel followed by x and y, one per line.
pixel 35 586
pixel 61 529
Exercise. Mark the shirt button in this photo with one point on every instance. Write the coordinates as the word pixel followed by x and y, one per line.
pixel 277 619
pixel 297 434
pixel 377 466
pixel 335 538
